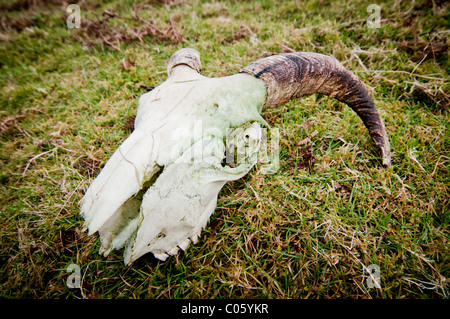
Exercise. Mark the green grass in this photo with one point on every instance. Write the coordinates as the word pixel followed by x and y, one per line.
pixel 66 95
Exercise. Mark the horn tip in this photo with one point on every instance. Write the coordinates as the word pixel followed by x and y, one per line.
pixel 386 159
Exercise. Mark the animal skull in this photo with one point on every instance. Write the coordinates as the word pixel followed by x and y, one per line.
pixel 159 189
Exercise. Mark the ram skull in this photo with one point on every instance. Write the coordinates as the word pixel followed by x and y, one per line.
pixel 193 134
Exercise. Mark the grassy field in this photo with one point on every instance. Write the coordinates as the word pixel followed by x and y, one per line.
pixel 68 96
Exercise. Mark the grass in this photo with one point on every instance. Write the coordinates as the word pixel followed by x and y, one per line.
pixel 308 231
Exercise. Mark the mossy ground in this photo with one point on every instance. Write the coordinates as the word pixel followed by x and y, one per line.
pixel 308 231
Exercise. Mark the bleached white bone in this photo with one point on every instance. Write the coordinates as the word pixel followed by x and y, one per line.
pixel 159 188
pixel 162 256
pixel 184 244
pixel 161 185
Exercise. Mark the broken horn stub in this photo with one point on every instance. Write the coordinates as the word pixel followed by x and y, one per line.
pixel 297 74
pixel 187 56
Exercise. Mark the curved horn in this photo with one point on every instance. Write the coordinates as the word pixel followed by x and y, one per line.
pixel 292 75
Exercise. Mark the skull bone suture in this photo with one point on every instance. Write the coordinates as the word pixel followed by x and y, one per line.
pixel 160 187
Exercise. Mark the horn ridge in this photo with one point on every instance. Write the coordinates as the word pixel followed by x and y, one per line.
pixel 297 74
